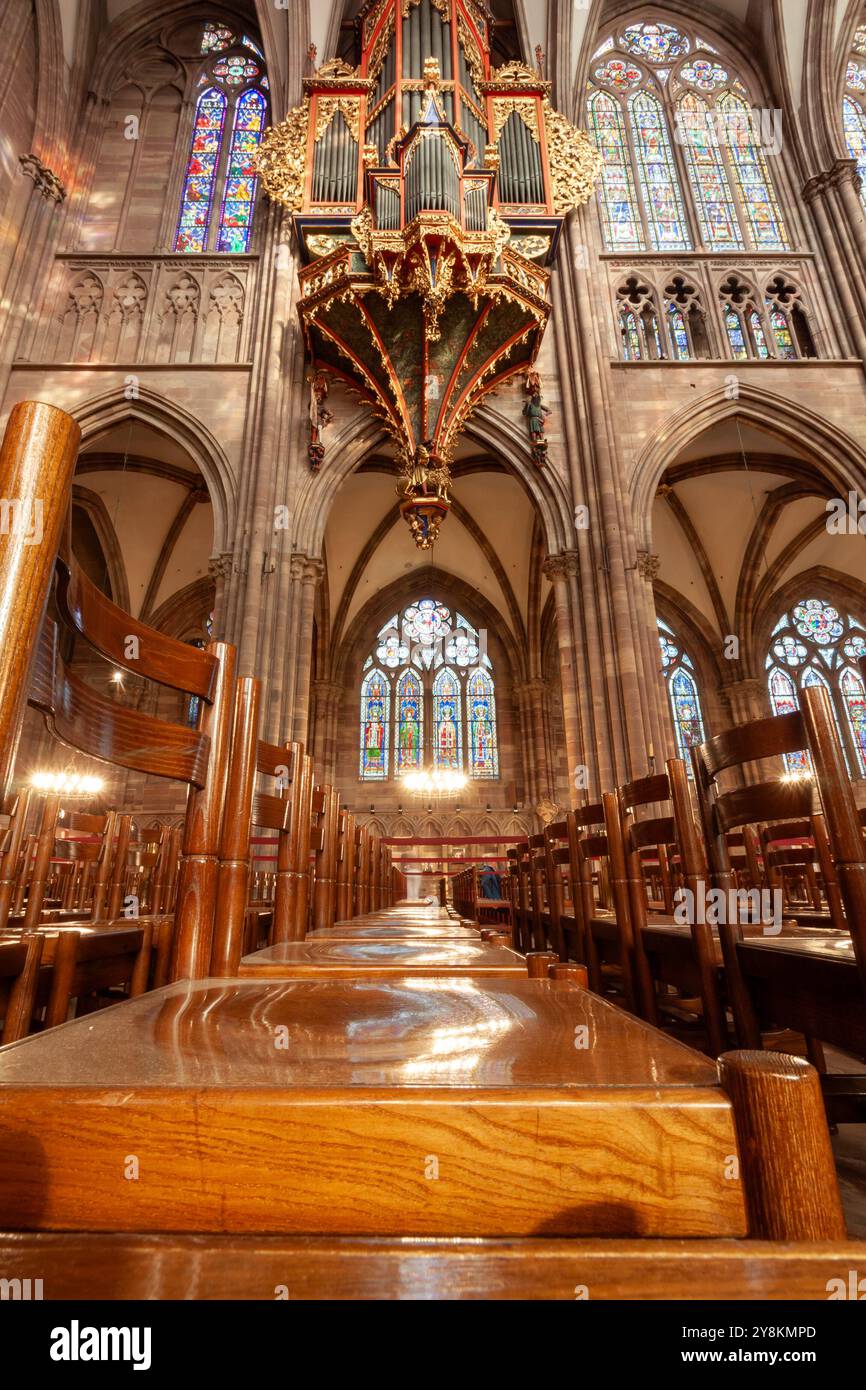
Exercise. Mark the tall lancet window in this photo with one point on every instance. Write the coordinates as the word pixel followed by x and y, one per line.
pixel 219 188
pixel 687 160
pixel 854 105
pixel 683 695
pixel 816 644
pixel 429 674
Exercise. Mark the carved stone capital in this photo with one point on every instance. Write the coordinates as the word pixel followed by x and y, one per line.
pixel 327 693
pixel 46 181
pixel 648 565
pixel 844 171
pixel 307 568
pixel 536 686
pixel 562 566
pixel 815 187
pixel 220 566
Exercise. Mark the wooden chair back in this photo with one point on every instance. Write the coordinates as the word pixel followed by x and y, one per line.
pixel 19 978
pixel 87 966
pixel 605 925
pixel 83 718
pixel 812 729
pixel 670 831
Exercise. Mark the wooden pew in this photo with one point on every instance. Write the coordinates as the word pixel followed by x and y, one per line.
pixel 816 987
pixel 79 716
pixel 677 967
pixel 20 963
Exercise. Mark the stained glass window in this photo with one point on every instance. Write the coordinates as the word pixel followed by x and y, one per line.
pixel 751 175
pixel 227 102
pixel 657 43
pixel 736 337
pixel 855 135
pixel 782 335
pixel 730 199
pixel 215 38
pixel 410 722
pixel 210 114
pixel 430 664
pixel 619 74
pixel 236 217
pixel 859 44
pixel 683 695
pixel 375 726
pixel 616 191
pixel 758 335
pixel 854 696
pixel 236 70
pixel 657 174
pixel 679 333
pixel 855 77
pixel 483 754
pixel 813 644
pixel 704 74
pixel 720 229
pixel 447 724
pixel 630 336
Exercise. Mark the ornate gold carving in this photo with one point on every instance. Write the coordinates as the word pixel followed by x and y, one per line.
pixel 515 75
pixel 469 44
pixel 525 107
pixel 282 157
pixel 532 247
pixel 380 49
pixel 327 108
pixel 336 67
pixel 575 163
pixel 322 244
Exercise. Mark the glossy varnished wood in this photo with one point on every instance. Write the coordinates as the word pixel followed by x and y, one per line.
pixel 301 1107
pixel 380 959
pixel 366 930
pixel 198 1268
pixel 37 460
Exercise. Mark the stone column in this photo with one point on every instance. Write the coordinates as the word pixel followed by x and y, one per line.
pixel 312 571
pixel 746 699
pixel 220 570
pixel 816 194
pixel 30 267
pixel 558 568
pixel 327 698
pixel 532 695
pixel 657 720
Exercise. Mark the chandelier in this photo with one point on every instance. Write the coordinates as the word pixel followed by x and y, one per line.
pixel 428 192
pixel 438 782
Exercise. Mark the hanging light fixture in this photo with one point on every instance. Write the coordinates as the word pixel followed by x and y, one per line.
pixel 438 782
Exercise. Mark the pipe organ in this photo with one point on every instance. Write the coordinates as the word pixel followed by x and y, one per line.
pixel 428 191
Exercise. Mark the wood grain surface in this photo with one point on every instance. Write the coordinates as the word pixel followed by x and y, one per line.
pixel 334 1131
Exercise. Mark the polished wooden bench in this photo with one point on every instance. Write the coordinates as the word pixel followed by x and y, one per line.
pixel 302 1107
pixel 214 1267
pixel 319 959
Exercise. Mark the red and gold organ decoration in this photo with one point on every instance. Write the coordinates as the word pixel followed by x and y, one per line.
pixel 428 193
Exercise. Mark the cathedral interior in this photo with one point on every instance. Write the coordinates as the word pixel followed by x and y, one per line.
pixel 488 375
